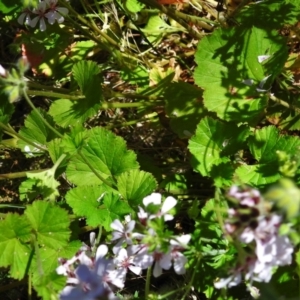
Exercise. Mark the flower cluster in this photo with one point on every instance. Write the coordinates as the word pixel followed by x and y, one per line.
pixel 252 224
pixel 47 9
pixel 92 273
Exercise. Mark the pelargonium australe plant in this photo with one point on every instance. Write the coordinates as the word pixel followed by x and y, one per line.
pixel 92 272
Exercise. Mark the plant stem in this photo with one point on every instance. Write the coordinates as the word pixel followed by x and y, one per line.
pixel 12 206
pixel 39 114
pixel 284 103
pixel 167 295
pixel 39 86
pixel 54 95
pixel 18 174
pixel 107 105
pixel 148 279
pixel 11 132
pixel 191 281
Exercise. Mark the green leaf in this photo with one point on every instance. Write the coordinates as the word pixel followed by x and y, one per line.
pixel 156 28
pixel 264 146
pixel 134 6
pixel 50 223
pixel 28 190
pixel 48 286
pixel 214 142
pixel 37 132
pixel 258 175
pixel 46 260
pixel 106 153
pixel 134 185
pixel 270 14
pixel 86 73
pixel 230 73
pixel 84 201
pixel 222 174
pixel 113 208
pixel 98 204
pixel 286 196
pixel 66 112
pixel 137 75
pixel 45 181
pixel 184 107
pixel 15 231
pixel 7 7
pixel 175 184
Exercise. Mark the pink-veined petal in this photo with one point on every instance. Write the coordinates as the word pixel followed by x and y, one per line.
pixel 166 261
pixel 179 263
pixel 130 226
pixel 117 225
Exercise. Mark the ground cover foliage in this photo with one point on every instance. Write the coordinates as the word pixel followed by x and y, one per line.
pixel 150 149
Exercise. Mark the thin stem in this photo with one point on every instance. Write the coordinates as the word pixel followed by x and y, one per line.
pixel 97 242
pixel 148 279
pixel 29 286
pixel 18 174
pixel 284 103
pixel 54 95
pixel 107 105
pixel 191 281
pixel 12 206
pixel 39 114
pixel 11 132
pixel 39 86
pixel 167 295
pixel 182 20
pixel 133 96
pixel 107 44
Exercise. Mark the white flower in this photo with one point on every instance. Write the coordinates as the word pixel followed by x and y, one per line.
pixel 230 281
pixel 162 261
pixel 142 257
pixel 40 11
pixel 169 203
pixel 123 233
pixel 179 260
pixel 55 13
pixel 154 198
pixel 124 261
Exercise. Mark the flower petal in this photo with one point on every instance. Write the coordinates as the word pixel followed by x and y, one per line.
pixel 168 204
